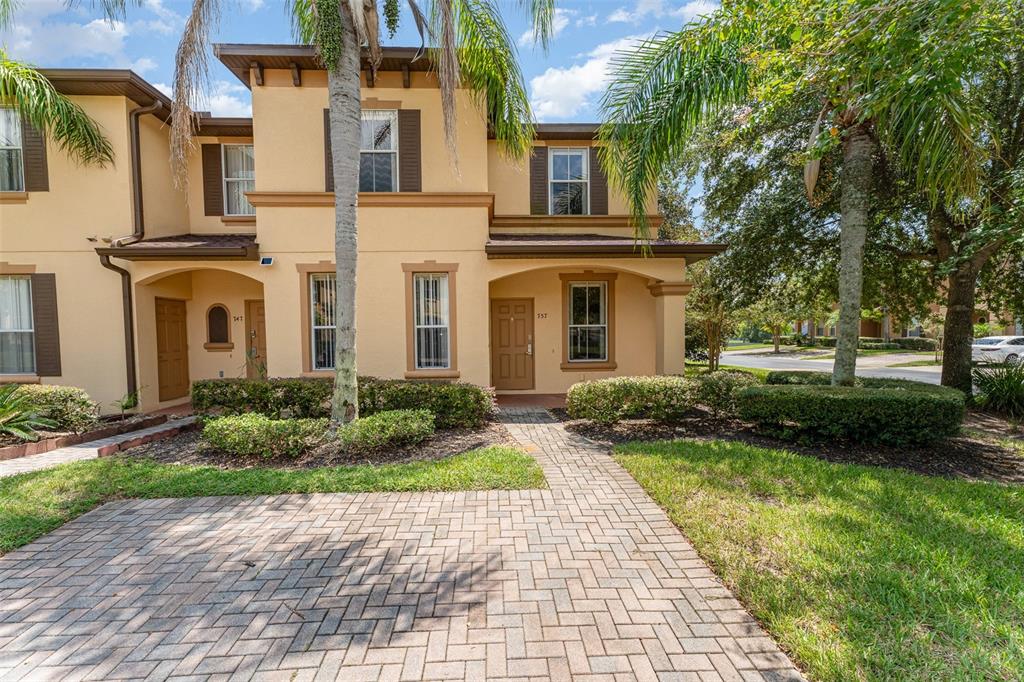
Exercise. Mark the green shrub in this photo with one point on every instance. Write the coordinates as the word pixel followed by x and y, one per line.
pixel 872 345
pixel 17 417
pixel 301 398
pixel 69 408
pixel 1001 388
pixel 717 390
pixel 805 378
pixel 256 435
pixel 454 405
pixel 916 343
pixel 893 415
pixel 607 401
pixel 391 427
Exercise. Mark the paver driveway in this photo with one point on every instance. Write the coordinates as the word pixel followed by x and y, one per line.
pixel 588 578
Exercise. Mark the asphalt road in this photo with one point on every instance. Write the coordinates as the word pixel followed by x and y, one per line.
pixel 866 366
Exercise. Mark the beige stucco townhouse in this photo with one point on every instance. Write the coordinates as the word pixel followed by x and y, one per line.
pixel 517 275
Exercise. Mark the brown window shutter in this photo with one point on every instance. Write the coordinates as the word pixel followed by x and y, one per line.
pixel 539 181
pixel 33 151
pixel 410 167
pixel 47 331
pixel 328 167
pixel 598 185
pixel 213 180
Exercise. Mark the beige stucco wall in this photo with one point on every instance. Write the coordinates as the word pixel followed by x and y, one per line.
pixel 163 204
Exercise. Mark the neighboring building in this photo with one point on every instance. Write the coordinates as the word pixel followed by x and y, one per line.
pixel 519 275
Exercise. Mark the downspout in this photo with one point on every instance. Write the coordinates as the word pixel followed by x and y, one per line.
pixel 138 233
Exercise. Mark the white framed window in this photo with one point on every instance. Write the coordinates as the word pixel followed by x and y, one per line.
pixel 378 151
pixel 17 332
pixel 431 320
pixel 569 181
pixel 12 163
pixel 321 315
pixel 588 321
pixel 239 165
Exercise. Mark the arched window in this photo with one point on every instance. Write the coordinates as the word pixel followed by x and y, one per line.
pixel 217 328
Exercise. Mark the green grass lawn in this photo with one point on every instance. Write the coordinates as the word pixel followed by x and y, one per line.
pixel 918 363
pixel 35 503
pixel 859 572
pixel 748 346
pixel 866 353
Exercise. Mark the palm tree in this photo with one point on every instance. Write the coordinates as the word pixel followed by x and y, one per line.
pixel 894 74
pixel 38 102
pixel 470 48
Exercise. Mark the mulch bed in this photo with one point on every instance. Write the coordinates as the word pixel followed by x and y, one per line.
pixel 968 457
pixel 188 448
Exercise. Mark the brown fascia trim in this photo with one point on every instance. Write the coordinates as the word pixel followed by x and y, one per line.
pixel 240 57
pixel 561 131
pixel 211 126
pixel 692 253
pixel 106 82
pixel 181 252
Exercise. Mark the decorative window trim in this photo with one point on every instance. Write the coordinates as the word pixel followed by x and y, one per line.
pixel 396 168
pixel 430 267
pixel 583 152
pixel 218 346
pixel 306 270
pixel 577 278
pixel 225 180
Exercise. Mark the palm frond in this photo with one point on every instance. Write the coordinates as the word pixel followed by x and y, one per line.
pixel 542 16
pixel 491 71
pixel 444 15
pixel 7 9
pixel 40 104
pixel 663 90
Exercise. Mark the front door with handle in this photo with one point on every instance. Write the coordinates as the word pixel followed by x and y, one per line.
pixel 512 343
pixel 256 340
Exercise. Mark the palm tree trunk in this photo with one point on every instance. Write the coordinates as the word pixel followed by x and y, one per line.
pixel 345 113
pixel 958 329
pixel 855 202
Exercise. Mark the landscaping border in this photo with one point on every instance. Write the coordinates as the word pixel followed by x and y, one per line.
pixel 47 444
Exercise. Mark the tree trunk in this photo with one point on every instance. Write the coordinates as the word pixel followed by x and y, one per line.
pixel 345 113
pixel 777 337
pixel 855 202
pixel 958 329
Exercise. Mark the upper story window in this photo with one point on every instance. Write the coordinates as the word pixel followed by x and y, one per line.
pixel 378 151
pixel 569 179
pixel 17 331
pixel 12 169
pixel 239 178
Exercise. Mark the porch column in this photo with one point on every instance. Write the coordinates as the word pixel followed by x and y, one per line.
pixel 670 326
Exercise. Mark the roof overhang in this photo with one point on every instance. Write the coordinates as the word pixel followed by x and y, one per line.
pixel 211 126
pixel 241 57
pixel 594 246
pixel 187 247
pixel 563 131
pixel 109 82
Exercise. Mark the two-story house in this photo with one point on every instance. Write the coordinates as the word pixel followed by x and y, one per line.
pixel 522 275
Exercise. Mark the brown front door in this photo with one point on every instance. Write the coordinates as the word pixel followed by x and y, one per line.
pixel 255 340
pixel 171 349
pixel 512 343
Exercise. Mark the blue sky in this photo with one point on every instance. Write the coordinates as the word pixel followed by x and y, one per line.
pixel 565 83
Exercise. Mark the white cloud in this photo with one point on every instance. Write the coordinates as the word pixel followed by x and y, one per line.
pixel 563 92
pixel 227 99
pixel 558 24
pixel 164 88
pixel 659 8
pixel 142 65
pixel 252 5
pixel 50 43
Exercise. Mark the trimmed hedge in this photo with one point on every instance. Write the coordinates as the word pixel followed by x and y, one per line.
pixel 873 345
pixel 392 427
pixel 916 343
pixel 256 435
pixel 70 408
pixel 607 401
pixel 892 415
pixel 805 378
pixel 717 390
pixel 453 405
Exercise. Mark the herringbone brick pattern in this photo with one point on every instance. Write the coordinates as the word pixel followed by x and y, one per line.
pixel 586 580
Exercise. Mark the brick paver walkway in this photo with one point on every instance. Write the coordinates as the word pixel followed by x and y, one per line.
pixel 588 580
pixel 88 450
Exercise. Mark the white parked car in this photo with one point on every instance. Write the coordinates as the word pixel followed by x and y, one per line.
pixel 1008 349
